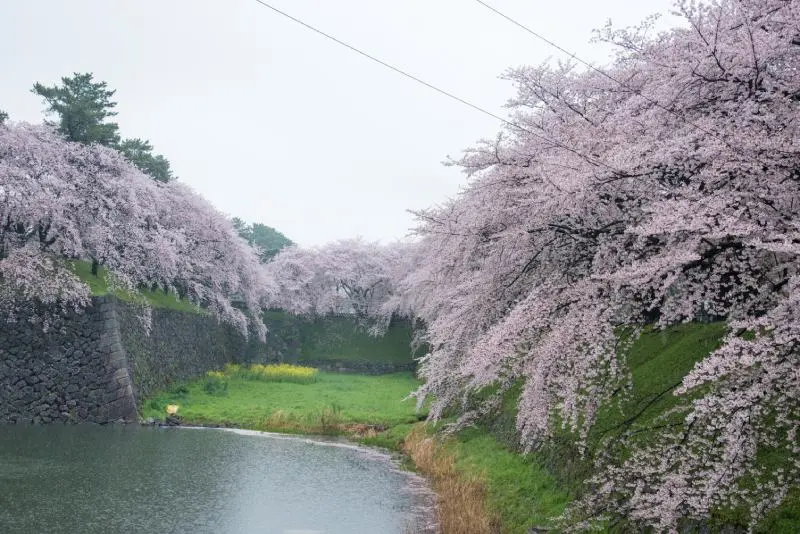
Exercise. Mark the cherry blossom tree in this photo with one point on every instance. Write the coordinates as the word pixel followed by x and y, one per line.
pixel 348 277
pixel 63 201
pixel 209 263
pixel 661 189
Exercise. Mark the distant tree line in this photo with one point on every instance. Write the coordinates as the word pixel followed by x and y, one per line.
pixel 62 201
pixel 265 239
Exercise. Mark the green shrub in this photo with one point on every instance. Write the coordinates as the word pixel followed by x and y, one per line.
pixel 178 391
pixel 215 383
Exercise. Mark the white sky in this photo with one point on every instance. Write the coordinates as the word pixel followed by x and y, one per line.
pixel 275 124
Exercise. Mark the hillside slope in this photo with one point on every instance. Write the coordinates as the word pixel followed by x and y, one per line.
pixel 525 491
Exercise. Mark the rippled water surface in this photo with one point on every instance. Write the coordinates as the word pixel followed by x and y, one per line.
pixel 101 479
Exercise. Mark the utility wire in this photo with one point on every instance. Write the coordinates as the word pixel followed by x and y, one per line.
pixel 637 92
pixel 494 115
pixel 610 77
pixel 440 91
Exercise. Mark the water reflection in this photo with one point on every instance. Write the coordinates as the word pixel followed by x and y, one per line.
pixel 131 479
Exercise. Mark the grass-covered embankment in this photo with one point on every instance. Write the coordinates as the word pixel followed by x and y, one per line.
pixel 484 486
pixel 554 475
pixel 524 491
pixel 98 286
pixel 480 469
pixel 335 403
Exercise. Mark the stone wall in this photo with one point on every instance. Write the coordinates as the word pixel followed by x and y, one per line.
pixel 359 366
pixel 336 343
pixel 95 366
pixel 76 372
pixel 179 346
pixel 99 364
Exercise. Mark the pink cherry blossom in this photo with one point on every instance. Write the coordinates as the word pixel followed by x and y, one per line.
pixel 62 201
pixel 603 207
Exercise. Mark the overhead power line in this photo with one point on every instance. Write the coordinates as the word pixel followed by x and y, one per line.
pixel 494 115
pixel 622 84
pixel 381 62
pixel 439 90
pixel 609 76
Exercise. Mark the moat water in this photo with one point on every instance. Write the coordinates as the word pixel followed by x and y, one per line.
pixel 130 479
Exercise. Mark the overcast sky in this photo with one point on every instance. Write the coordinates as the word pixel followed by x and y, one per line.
pixel 275 124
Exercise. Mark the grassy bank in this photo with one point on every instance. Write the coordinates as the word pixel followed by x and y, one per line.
pixel 357 405
pixel 483 486
pixel 484 483
pixel 98 286
pixel 373 410
pixel 524 491
pixel 503 491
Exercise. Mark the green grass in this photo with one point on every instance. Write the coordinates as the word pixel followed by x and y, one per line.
pixel 520 492
pixel 351 399
pixel 554 475
pixel 525 491
pixel 98 285
pixel 658 361
pixel 391 438
pixel 785 519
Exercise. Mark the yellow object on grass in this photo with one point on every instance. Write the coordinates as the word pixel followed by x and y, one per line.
pixel 172 409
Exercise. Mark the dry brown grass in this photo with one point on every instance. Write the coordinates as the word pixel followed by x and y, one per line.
pixel 323 422
pixel 359 431
pixel 461 501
